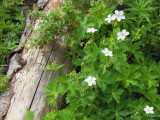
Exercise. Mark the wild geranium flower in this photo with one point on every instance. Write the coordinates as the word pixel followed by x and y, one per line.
pixel 119 15
pixel 122 35
pixel 91 30
pixel 110 18
pixel 91 80
pixel 107 52
pixel 148 110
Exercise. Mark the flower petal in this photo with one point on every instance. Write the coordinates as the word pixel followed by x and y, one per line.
pixel 86 80
pixel 123 17
pixel 122 37
pixel 89 83
pixel 152 112
pixel 106 19
pixel 127 33
pixel 114 16
pixel 109 16
pixel 94 83
pixel 116 12
pixel 118 18
pixel 89 77
pixel 103 51
pixel 118 37
pixel 121 12
pixel 119 33
pixel 93 78
pixel 147 112
pixel 151 108
pixel 106 49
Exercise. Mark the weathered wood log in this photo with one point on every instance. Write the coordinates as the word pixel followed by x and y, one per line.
pixel 27 81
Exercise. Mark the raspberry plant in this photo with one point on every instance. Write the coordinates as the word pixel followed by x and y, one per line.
pixel 114 46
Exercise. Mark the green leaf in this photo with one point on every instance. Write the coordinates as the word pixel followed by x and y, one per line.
pixel 113 92
pixel 66 115
pixel 29 115
pixel 50 116
pixel 51 92
pixel 53 66
pixel 116 94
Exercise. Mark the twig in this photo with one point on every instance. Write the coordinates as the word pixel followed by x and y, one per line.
pixel 3 65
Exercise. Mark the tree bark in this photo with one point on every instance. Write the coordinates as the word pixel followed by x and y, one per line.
pixel 27 77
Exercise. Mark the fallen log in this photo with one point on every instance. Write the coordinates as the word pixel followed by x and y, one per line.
pixel 27 76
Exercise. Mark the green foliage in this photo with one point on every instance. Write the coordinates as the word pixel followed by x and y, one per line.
pixel 126 81
pixel 29 115
pixel 3 83
pixel 11 25
pixel 53 66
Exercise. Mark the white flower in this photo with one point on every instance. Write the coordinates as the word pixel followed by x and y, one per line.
pixel 148 110
pixel 91 80
pixel 119 15
pixel 107 52
pixel 92 30
pixel 122 35
pixel 110 18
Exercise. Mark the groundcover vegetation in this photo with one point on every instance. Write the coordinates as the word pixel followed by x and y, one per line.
pixel 11 26
pixel 114 47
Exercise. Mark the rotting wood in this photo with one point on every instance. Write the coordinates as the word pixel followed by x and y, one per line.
pixel 26 90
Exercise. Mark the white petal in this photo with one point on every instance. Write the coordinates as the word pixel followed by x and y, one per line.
pixel 151 108
pixel 89 83
pixel 114 16
pixel 109 16
pixel 94 83
pixel 89 77
pixel 106 19
pixel 106 54
pixel 118 18
pixel 118 38
pixel 152 112
pixel 86 80
pixel 116 12
pixel 119 33
pixel 110 53
pixel 93 78
pixel 109 21
pixel 123 31
pixel 121 12
pixel 147 106
pixel 105 49
pixel 122 37
pixel 127 33
pixel 123 17
pixel 88 30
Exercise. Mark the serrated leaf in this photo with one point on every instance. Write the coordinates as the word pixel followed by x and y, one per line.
pixel 66 115
pixel 49 116
pixel 51 92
